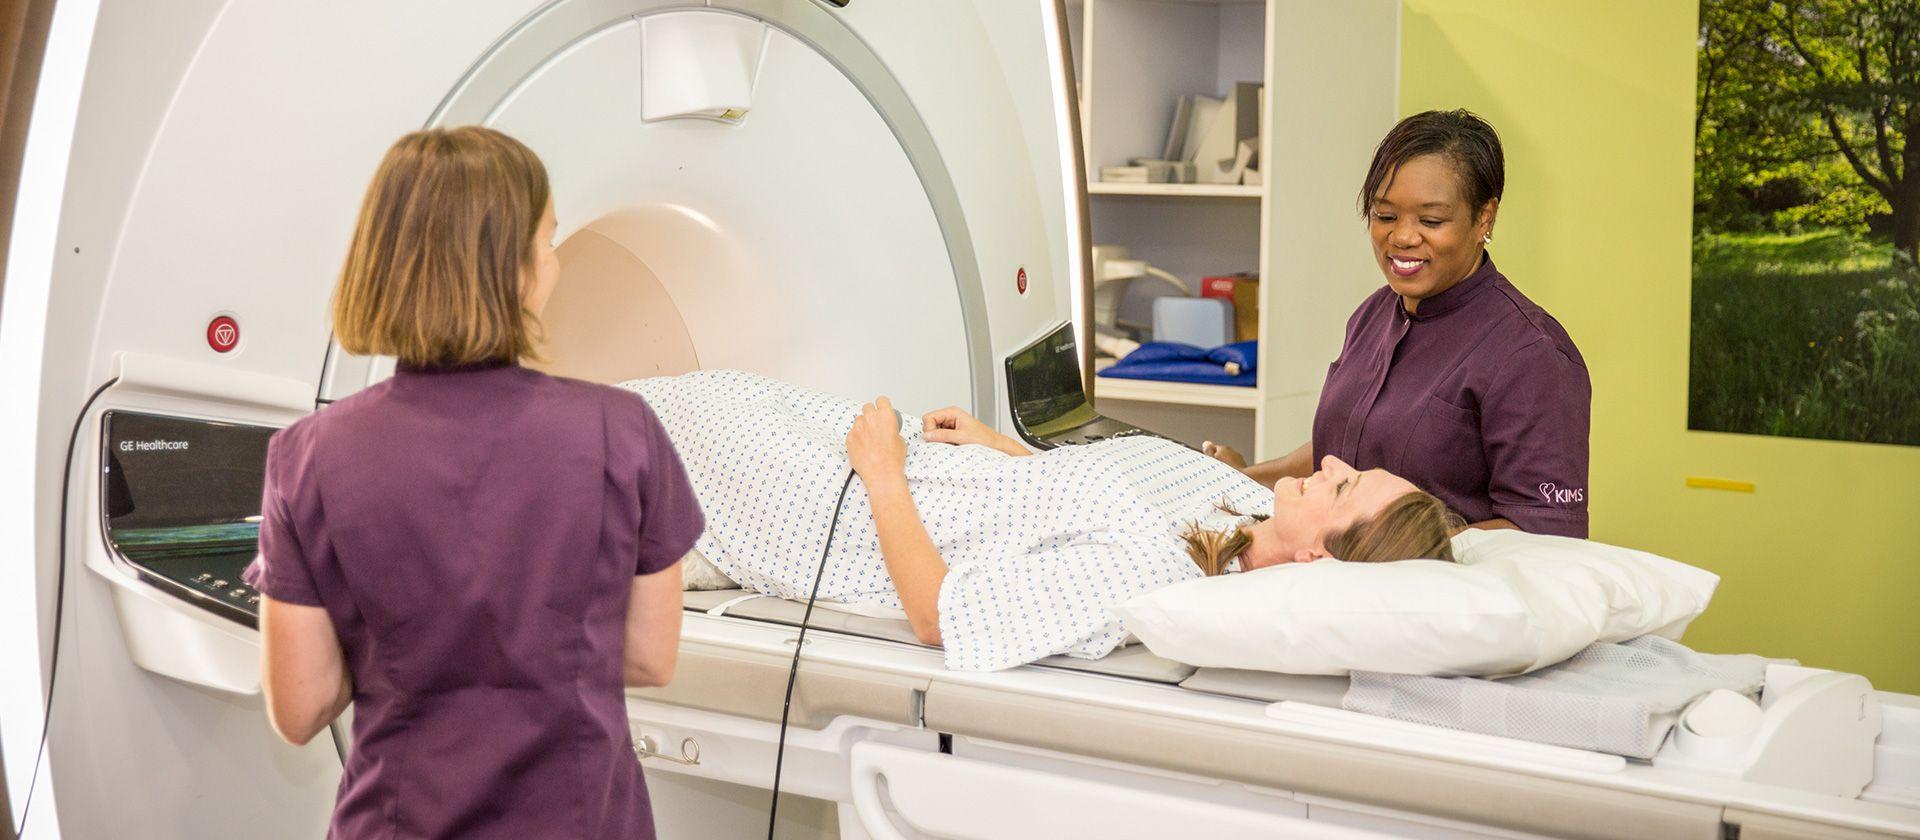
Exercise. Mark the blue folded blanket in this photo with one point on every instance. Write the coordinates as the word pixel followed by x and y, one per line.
pixel 1228 364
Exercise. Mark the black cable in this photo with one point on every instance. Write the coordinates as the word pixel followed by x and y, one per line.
pixel 780 753
pixel 59 605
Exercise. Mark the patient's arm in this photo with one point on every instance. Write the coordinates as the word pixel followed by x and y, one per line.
pixel 912 561
pixel 879 455
pixel 955 425
pixel 1299 462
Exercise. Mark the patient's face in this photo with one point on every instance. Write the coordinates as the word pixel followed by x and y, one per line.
pixel 1306 510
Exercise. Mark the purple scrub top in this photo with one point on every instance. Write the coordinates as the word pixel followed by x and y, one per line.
pixel 473 533
pixel 1480 399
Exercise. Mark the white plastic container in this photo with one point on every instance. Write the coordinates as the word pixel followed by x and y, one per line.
pixel 1201 322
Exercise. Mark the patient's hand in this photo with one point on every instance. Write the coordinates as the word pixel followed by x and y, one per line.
pixel 955 426
pixel 874 444
pixel 1224 454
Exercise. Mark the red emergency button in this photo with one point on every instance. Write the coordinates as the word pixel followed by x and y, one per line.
pixel 223 334
pixel 1020 280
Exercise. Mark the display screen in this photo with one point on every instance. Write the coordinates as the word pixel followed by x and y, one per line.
pixel 1043 382
pixel 182 502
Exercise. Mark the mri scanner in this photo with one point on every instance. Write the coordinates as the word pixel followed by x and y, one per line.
pixel 860 197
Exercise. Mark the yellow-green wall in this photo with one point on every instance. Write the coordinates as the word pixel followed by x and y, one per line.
pixel 1594 102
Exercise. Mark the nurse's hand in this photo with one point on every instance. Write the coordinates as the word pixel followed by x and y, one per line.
pixel 874 445
pixel 1224 454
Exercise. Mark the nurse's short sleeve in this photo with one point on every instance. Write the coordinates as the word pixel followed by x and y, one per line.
pixel 281 568
pixel 670 516
pixel 1535 420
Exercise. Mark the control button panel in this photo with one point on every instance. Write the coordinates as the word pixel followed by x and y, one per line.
pixel 236 593
pixel 216 583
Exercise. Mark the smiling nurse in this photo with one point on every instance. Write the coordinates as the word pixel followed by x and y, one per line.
pixel 1449 376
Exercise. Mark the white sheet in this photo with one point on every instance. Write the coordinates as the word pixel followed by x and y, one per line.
pixel 1037 548
pixel 1613 698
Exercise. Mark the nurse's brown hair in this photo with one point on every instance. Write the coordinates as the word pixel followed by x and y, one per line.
pixel 1415 526
pixel 445 237
pixel 1469 145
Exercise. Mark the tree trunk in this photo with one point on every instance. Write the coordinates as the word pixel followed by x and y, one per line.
pixel 1906 219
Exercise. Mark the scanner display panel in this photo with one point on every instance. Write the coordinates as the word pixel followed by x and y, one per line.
pixel 1050 408
pixel 181 502
pixel 1043 383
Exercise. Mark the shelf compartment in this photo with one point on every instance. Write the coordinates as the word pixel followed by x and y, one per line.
pixel 1138 57
pixel 1179 393
pixel 1247 191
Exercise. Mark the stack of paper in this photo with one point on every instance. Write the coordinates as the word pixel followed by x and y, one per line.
pixel 1132 175
pixel 1149 171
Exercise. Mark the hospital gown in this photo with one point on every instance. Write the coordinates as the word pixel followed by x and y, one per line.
pixel 1037 548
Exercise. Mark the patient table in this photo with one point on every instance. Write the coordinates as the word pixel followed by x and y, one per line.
pixel 1154 744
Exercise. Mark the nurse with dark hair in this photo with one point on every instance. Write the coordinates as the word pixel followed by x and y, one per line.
pixel 1449 376
pixel 479 557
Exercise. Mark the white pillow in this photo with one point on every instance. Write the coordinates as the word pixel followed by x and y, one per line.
pixel 1514 603
pixel 1640 593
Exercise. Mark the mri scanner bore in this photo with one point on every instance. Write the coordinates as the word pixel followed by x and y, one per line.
pixel 838 198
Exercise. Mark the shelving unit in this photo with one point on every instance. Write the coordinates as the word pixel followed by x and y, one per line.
pixel 1330 72
pixel 1180 393
pixel 1178 190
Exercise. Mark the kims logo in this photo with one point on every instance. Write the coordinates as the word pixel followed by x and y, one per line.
pixel 1556 495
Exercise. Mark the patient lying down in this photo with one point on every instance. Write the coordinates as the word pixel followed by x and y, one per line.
pixel 1000 555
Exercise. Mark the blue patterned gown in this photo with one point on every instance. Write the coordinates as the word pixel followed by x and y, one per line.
pixel 1037 548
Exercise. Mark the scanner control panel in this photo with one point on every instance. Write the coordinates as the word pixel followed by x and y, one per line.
pixel 181 505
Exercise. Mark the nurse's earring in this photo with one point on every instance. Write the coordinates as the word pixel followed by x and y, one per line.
pixel 1487 239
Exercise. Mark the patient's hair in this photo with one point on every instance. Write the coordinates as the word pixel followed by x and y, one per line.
pixel 1469 144
pixel 434 274
pixel 1416 526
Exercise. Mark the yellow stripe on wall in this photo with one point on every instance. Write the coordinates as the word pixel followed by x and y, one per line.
pixel 1701 483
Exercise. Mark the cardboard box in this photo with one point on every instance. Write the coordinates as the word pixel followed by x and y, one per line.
pixel 1246 309
pixel 1222 286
